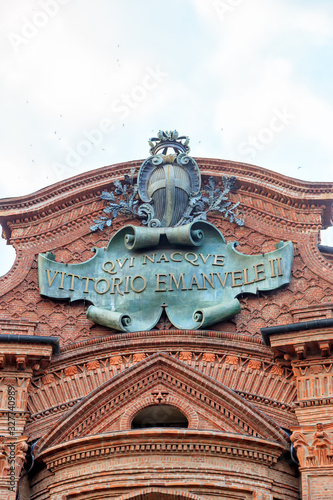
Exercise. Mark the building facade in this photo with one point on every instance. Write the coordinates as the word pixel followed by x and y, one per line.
pixel 144 356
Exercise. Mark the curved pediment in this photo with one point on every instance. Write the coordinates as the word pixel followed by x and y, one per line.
pixel 206 403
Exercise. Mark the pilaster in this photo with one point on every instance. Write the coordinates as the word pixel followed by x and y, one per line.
pixel 307 348
pixel 21 357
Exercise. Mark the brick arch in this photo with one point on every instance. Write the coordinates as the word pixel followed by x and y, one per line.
pixel 174 400
pixel 149 493
pixel 159 494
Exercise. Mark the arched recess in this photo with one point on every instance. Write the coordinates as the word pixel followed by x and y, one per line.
pixel 153 493
pixel 229 411
pixel 159 415
pixel 159 494
pixel 141 403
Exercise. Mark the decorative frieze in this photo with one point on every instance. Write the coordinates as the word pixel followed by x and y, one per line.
pixel 275 378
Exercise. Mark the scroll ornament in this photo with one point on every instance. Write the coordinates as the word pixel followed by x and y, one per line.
pixel 188 271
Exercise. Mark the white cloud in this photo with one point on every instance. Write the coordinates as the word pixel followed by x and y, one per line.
pixel 226 78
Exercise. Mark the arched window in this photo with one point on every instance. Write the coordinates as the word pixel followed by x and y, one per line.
pixel 159 416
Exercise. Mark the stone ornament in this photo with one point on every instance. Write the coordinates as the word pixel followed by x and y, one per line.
pixel 314 450
pixel 167 192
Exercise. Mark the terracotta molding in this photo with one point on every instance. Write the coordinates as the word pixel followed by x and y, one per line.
pixel 99 178
pixel 201 335
pixel 171 441
pixel 159 367
pixel 17 273
pixel 162 493
pixel 254 183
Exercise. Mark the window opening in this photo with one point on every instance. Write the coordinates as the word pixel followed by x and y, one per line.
pixel 159 416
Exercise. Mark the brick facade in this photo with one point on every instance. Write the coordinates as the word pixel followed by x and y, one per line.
pixel 248 387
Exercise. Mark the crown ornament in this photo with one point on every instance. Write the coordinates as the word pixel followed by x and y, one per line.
pixel 166 140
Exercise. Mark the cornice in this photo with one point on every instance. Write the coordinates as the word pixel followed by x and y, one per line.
pixel 166 441
pixel 285 185
pixel 74 185
pixel 252 180
pixel 279 206
pixel 180 339
pixel 264 401
pixel 328 401
pixel 99 178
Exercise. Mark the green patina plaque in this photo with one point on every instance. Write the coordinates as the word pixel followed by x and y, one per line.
pixel 190 271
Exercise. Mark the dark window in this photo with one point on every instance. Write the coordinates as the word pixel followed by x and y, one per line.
pixel 159 416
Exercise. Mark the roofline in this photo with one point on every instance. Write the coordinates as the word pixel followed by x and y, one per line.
pixel 94 178
pixel 294 327
pixel 32 339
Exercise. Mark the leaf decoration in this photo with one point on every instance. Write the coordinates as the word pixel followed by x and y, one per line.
pixel 124 200
pixel 214 200
pixel 120 201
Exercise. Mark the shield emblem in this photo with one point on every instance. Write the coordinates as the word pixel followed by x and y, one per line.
pixel 168 182
pixel 169 187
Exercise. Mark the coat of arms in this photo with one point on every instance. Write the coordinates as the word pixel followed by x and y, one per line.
pixel 176 262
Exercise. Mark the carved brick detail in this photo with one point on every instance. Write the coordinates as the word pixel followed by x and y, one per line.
pixel 314 449
pixel 116 360
pixel 55 401
pixel 21 362
pixel 325 349
pixel 70 371
pixel 10 381
pixel 48 379
pixel 259 495
pixel 171 448
pixel 315 369
pixel 92 365
pixel 277 370
pixel 254 364
pixel 170 382
pixel 231 360
pixel 208 357
pixel 185 356
pixel 139 356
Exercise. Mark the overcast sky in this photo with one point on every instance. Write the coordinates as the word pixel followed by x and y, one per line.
pixel 85 83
